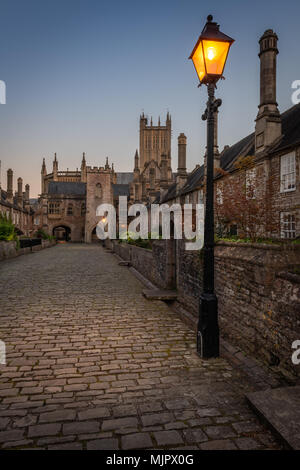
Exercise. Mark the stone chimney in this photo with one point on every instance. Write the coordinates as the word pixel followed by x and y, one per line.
pixel 10 194
pixel 268 120
pixel 181 175
pixel 27 193
pixel 20 192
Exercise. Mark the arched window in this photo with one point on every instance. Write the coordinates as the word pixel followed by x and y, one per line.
pixel 98 192
pixel 70 209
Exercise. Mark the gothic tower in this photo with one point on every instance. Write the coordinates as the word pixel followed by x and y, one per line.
pixel 83 169
pixel 55 168
pixel 43 174
pixel 154 140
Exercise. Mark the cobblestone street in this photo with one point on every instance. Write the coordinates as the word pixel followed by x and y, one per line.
pixel 92 364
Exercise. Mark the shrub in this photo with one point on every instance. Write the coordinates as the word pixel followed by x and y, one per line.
pixel 7 229
pixel 42 234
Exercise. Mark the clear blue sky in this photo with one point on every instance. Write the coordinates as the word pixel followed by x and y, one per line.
pixel 79 73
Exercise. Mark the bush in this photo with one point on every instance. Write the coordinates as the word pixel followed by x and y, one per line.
pixel 141 243
pixel 43 235
pixel 7 229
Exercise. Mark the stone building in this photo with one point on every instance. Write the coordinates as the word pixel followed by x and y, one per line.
pixel 69 199
pixel 275 148
pixel 16 206
pixel 152 165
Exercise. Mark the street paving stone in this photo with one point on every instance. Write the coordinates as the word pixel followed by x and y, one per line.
pixel 92 364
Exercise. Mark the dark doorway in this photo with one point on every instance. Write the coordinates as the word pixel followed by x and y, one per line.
pixel 95 239
pixel 62 233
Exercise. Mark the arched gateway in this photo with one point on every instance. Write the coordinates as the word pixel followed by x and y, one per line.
pixel 62 233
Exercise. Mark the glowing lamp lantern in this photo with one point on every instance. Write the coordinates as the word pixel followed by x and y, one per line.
pixel 210 53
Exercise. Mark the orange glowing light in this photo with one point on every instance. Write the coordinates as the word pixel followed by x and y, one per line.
pixel 210 53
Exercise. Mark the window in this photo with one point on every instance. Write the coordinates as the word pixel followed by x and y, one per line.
pixel 83 208
pixel 288 225
pixel 98 193
pixel 251 183
pixel 70 209
pixel 54 207
pixel 288 172
pixel 36 220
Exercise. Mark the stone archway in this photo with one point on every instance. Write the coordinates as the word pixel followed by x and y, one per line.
pixel 62 233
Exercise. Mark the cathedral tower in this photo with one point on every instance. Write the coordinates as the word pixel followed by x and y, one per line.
pixel 154 140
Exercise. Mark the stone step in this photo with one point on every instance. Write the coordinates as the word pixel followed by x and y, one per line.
pixel 279 408
pixel 124 263
pixel 156 294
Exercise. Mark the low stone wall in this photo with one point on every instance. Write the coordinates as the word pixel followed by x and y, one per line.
pixel 9 249
pixel 156 264
pixel 259 300
pixel 140 258
pixel 257 287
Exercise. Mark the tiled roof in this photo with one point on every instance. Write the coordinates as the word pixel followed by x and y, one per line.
pixel 121 190
pixel 124 178
pixel 244 147
pixel 192 182
pixel 290 128
pixel 67 187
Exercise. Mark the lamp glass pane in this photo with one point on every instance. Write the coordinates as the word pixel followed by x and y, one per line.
pixel 215 53
pixel 198 61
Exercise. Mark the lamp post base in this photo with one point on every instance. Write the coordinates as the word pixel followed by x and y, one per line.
pixel 208 328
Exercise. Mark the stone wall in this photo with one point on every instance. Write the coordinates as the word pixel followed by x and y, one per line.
pixel 157 264
pixel 9 250
pixel 257 285
pixel 259 300
pixel 258 295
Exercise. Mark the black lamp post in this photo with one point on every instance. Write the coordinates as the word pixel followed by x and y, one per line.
pixel 209 58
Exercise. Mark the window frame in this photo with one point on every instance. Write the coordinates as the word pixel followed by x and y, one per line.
pixel 282 174
pixel 289 229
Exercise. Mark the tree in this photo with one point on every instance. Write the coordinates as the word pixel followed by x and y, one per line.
pixel 246 200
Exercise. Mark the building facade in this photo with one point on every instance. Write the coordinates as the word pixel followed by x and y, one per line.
pixel 69 199
pixel 16 205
